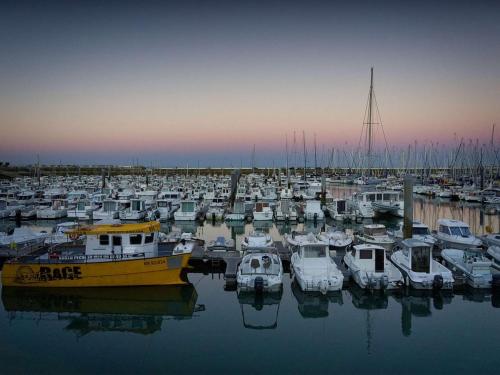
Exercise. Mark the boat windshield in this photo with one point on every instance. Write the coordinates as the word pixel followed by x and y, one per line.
pixel 465 231
pixel 162 204
pixel 314 252
pixel 420 231
pixel 455 231
pixel 421 259
pixel 376 231
pixel 481 270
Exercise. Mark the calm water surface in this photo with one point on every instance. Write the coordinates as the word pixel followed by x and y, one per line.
pixel 202 328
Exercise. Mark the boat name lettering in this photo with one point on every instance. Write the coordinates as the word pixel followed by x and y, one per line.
pixel 26 274
pixel 63 273
pixel 153 262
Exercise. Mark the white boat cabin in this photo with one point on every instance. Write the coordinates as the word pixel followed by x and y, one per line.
pixel 369 258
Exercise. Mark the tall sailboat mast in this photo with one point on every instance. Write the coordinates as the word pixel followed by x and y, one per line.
pixel 370 122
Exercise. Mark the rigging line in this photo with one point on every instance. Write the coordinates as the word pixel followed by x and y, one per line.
pixel 382 126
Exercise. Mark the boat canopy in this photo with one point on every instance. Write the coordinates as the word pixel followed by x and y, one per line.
pixel 152 226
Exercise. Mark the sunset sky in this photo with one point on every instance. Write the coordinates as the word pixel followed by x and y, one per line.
pixel 182 82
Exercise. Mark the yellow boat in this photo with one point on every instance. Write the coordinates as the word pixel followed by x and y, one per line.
pixel 113 255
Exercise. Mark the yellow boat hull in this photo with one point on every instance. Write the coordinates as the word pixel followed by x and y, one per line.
pixel 164 270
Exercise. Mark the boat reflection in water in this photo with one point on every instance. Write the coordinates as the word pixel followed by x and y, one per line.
pixel 315 304
pixel 419 304
pixel 480 296
pixel 368 300
pixel 260 310
pixel 138 310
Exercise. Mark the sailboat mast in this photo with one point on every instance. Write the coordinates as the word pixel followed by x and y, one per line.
pixel 305 157
pixel 370 120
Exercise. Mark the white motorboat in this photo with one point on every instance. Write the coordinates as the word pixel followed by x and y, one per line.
pixel 238 211
pixel 492 239
pixel 313 210
pixel 387 203
pixel 493 252
pixel 186 244
pixel 262 212
pixel 110 210
pixel 370 268
pixel 471 264
pixel 59 234
pixel 136 211
pixel 285 211
pixel 260 270
pixel 257 240
pixel 420 232
pixel 295 239
pixel 20 238
pixel 164 209
pixel 57 210
pixel 340 210
pixel 83 210
pixel 455 234
pixel 314 269
pixel 336 239
pixel 221 244
pixel 376 234
pixel 188 211
pixel 418 267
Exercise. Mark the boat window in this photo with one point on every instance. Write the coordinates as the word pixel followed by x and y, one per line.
pixel 135 239
pixel 117 240
pixel 365 254
pixel 420 231
pixel 314 252
pixel 444 229
pixel 371 197
pixel 465 231
pixel 455 231
pixel 149 238
pixel 380 197
pixel 103 240
pixel 421 259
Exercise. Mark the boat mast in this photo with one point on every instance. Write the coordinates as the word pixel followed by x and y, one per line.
pixel 305 157
pixel 287 170
pixel 370 122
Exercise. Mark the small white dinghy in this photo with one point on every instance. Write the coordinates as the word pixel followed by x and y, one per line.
pixel 370 268
pixel 313 268
pixel 419 269
pixel 472 264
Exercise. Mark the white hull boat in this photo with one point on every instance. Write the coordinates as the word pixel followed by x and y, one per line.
pixel 473 265
pixel 314 269
pixel 418 267
pixel 370 268
pixel 261 271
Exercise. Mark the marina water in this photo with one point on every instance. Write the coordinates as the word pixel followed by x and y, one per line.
pixel 203 328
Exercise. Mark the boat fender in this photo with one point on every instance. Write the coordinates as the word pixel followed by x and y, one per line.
pixel 438 282
pixel 495 281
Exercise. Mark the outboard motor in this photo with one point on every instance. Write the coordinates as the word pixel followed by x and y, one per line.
pixel 259 284
pixel 438 282
pixel 495 282
pixel 384 282
pixel 372 282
